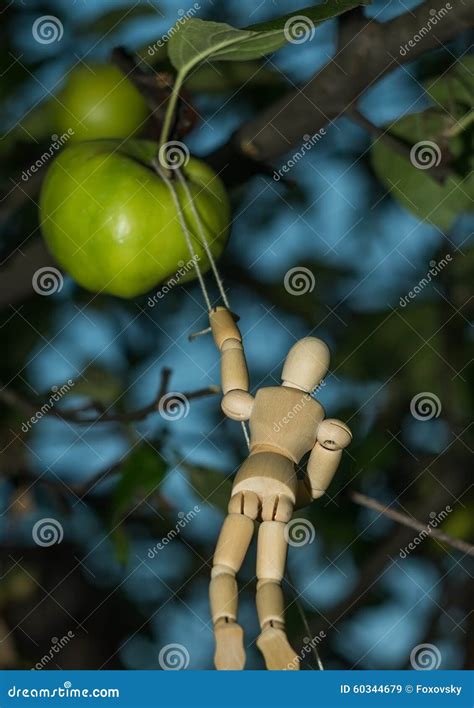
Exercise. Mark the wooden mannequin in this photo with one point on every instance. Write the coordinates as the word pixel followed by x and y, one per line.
pixel 285 422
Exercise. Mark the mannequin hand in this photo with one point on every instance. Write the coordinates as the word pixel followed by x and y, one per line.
pixel 223 326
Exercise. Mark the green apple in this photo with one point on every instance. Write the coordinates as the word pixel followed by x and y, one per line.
pixel 110 220
pixel 98 101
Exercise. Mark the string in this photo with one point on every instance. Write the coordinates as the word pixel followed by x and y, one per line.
pixel 203 236
pixel 246 434
pixel 212 261
pixel 186 232
pixel 304 619
pixel 192 250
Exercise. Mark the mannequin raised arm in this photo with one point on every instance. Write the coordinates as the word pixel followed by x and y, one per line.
pixel 237 402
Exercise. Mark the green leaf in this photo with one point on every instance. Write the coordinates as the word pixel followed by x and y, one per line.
pixel 195 40
pixel 454 90
pixel 121 544
pixel 413 187
pixel 142 473
pixel 319 14
pixel 460 523
pixel 211 486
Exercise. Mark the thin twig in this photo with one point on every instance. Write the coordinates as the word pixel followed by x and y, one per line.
pixel 15 400
pixel 370 503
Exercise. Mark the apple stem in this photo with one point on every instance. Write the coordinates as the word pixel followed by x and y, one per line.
pixel 171 108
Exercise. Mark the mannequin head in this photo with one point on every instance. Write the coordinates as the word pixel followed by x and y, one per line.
pixel 306 364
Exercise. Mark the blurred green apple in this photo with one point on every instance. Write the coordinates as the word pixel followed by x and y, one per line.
pixel 110 221
pixel 98 101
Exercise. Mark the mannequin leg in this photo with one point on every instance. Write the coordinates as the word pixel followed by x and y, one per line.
pixel 233 543
pixel 271 561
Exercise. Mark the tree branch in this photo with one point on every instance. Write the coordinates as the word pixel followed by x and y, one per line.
pixel 406 520
pixel 385 554
pixel 76 415
pixel 361 60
